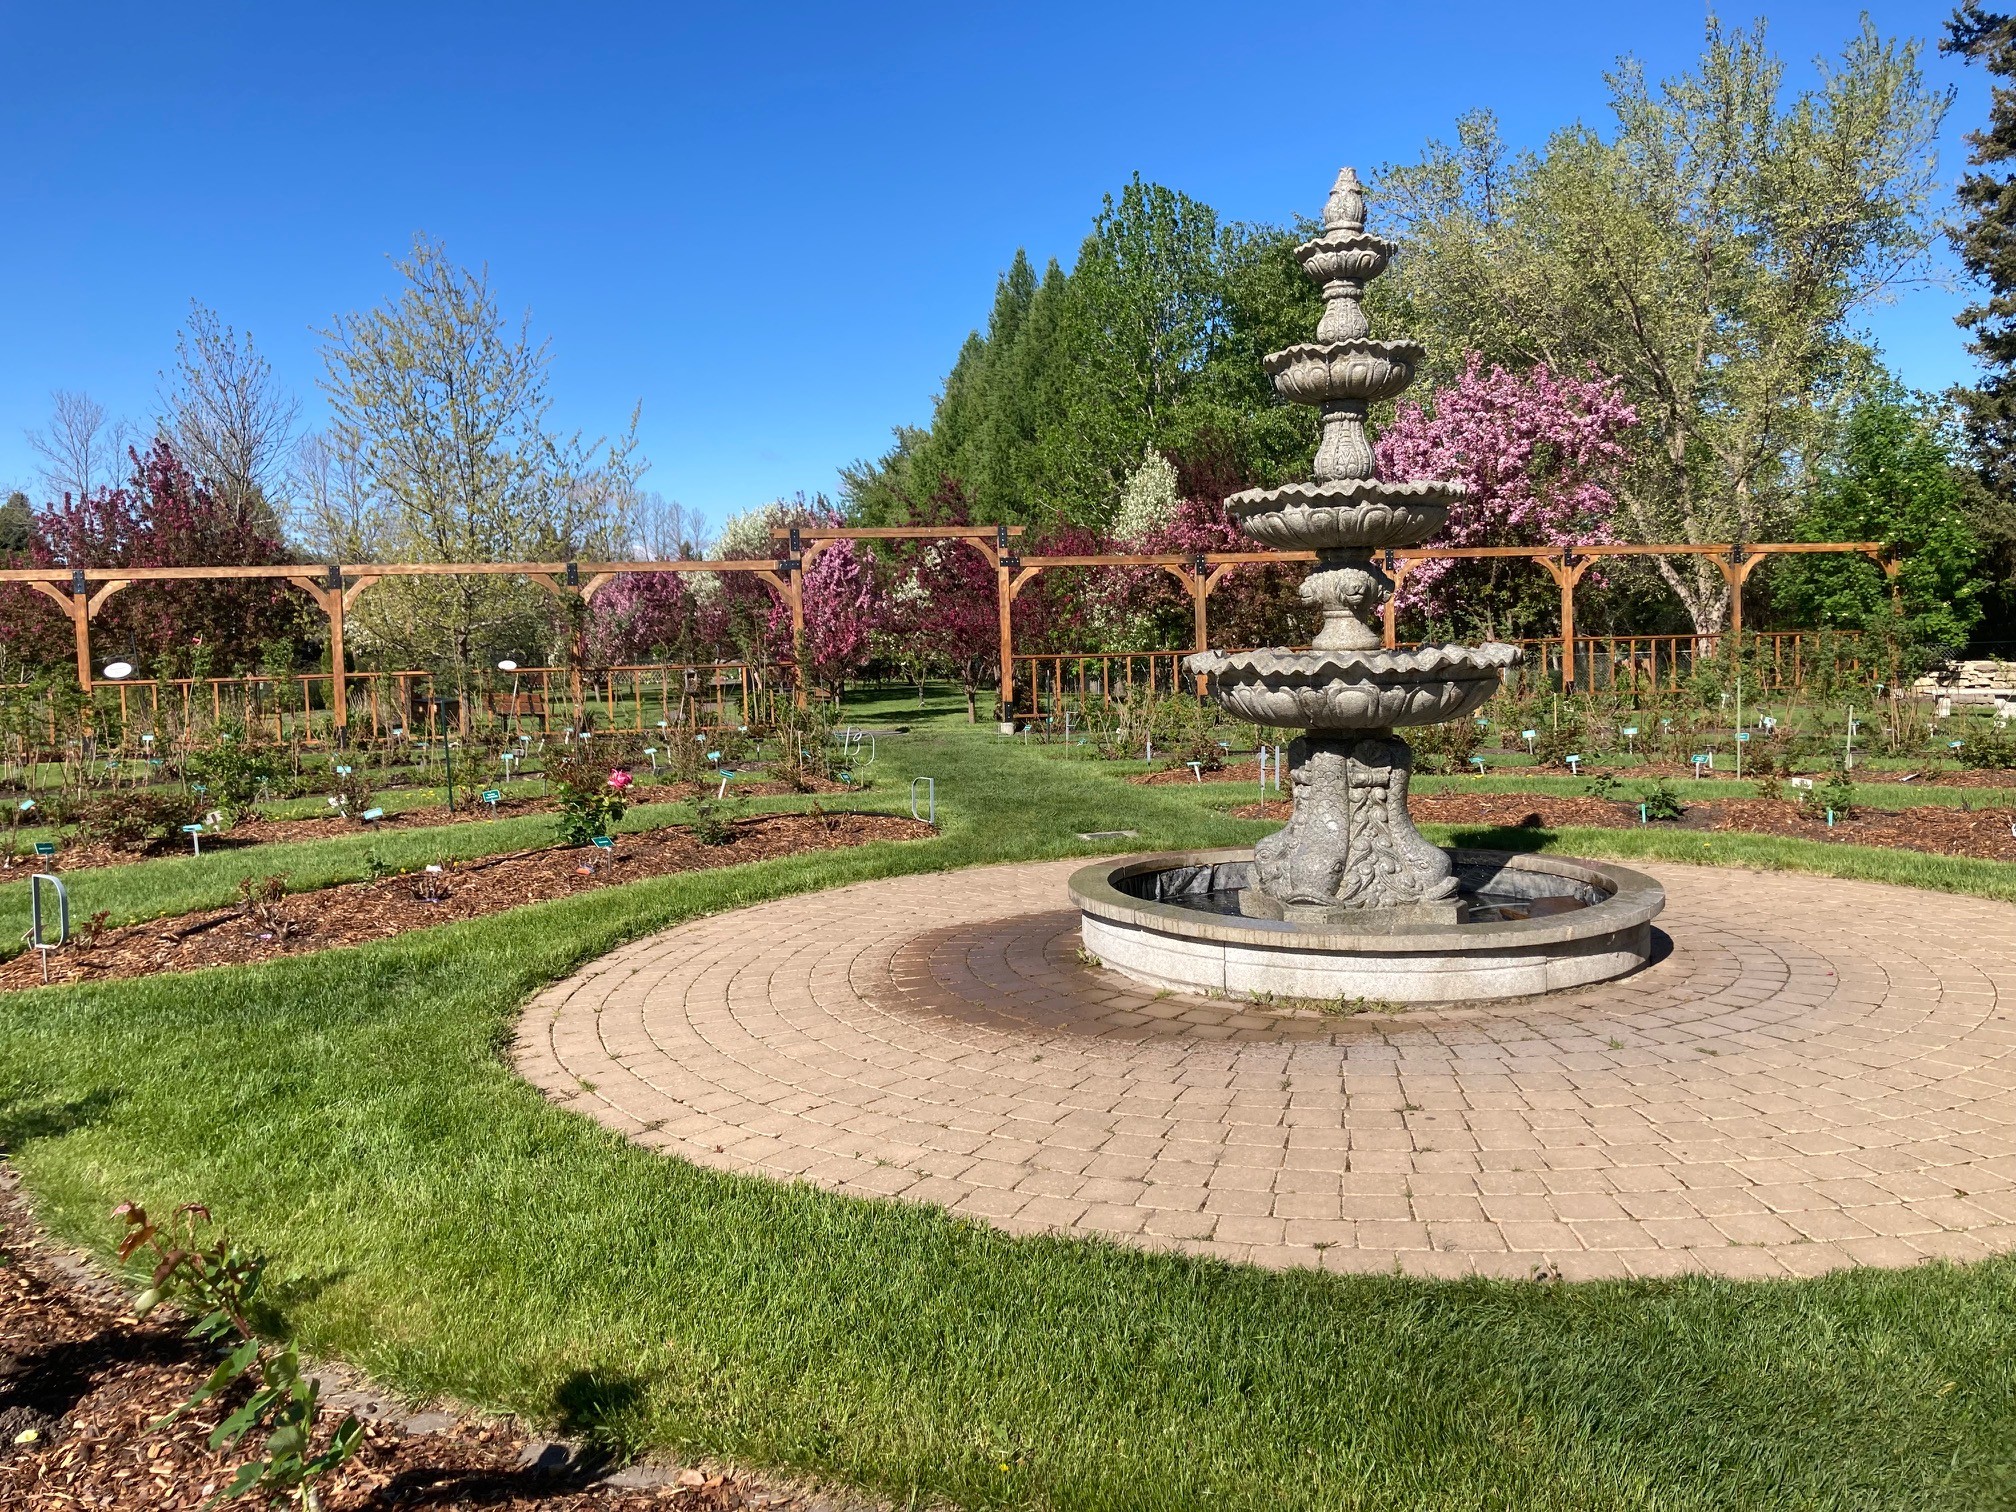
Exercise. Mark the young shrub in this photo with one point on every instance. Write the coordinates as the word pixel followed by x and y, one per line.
pixel 590 795
pixel 264 904
pixel 1836 793
pixel 218 1284
pixel 1660 802
pixel 232 775
pixel 1992 749
pixel 134 819
pixel 1446 747
pixel 714 821
pixel 352 792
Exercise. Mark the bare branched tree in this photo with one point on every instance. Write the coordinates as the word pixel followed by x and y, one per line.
pixel 442 399
pixel 82 448
pixel 228 416
pixel 664 530
pixel 336 514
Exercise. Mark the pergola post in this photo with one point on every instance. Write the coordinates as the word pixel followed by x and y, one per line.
pixel 331 597
pixel 1397 569
pixel 1566 568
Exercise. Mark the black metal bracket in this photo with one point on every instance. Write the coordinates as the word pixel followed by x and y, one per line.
pixel 335 578
pixel 573 574
pixel 797 549
pixel 78 584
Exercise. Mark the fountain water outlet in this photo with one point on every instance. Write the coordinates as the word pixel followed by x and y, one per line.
pixel 1348 895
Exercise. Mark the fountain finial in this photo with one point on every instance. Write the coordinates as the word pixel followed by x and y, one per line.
pixel 1345 209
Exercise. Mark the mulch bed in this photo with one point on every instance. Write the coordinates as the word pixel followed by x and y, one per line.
pixel 469 809
pixel 77 856
pixel 357 912
pixel 82 1381
pixel 1936 831
pixel 1236 771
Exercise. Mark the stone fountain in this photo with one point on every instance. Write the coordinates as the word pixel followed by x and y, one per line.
pixel 1348 899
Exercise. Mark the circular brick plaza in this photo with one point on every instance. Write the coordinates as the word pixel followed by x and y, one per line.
pixel 1810 1074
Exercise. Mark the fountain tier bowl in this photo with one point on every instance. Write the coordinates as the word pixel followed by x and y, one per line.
pixel 1353 690
pixel 1348 514
pixel 1163 920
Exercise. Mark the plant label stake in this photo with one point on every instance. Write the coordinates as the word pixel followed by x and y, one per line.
pixel 195 834
pixel 652 752
pixel 1742 738
pixel 1263 770
pixel 45 848
pixel 728 776
pixel 1630 734
pixel 1699 763
pixel 1529 736
pixel 1643 818
pixel 1574 764
pixel 36 937
pixel 1478 762
pixel 1196 769
pixel 372 814
pixel 490 796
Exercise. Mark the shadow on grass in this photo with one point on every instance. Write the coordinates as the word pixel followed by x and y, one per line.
pixel 27 1113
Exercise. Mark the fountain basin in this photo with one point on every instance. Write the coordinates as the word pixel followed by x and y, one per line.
pixel 1163 920
pixel 1353 690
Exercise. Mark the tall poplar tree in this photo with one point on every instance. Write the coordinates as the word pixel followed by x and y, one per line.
pixel 1986 241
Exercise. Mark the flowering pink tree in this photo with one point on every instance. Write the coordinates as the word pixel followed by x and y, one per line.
pixel 639 617
pixel 845 604
pixel 1541 453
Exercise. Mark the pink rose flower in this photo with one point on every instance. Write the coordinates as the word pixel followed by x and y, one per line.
pixel 620 779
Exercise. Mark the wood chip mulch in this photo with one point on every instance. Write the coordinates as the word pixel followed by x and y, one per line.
pixel 1937 831
pixel 82 1382
pixel 470 809
pixel 75 856
pixel 354 913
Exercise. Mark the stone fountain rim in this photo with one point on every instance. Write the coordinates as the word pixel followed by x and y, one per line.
pixel 1347 493
pixel 1443 662
pixel 1275 363
pixel 1634 899
pixel 1344 239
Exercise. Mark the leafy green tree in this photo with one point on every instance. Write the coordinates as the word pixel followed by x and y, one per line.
pixel 1986 241
pixel 1710 251
pixel 17 525
pixel 1890 478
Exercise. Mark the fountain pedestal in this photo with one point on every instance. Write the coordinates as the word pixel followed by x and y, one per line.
pixel 1350 847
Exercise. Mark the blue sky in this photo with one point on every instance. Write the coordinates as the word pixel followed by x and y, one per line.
pixel 772 225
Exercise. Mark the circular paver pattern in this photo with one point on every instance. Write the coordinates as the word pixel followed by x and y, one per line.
pixel 1815 1074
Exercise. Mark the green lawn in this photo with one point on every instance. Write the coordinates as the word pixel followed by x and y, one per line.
pixel 435 1221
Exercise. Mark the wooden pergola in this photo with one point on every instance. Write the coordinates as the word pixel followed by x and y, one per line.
pixel 81 592
pixel 1200 573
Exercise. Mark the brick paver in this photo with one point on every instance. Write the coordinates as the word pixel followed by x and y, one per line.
pixel 1817 1074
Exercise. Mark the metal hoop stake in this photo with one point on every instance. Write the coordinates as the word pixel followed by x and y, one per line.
pixel 35 936
pixel 930 814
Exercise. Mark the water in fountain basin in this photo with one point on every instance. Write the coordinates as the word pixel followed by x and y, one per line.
pixel 1494 896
